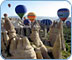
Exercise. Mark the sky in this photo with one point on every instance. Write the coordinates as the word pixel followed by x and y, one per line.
pixel 40 8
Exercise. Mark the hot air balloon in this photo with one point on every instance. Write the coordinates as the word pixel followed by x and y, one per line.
pixel 20 10
pixel 9 5
pixel 26 22
pixel 46 22
pixel 63 14
pixel 68 23
pixel 31 16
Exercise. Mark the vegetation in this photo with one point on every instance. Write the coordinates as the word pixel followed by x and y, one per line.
pixel 65 54
pixel 67 36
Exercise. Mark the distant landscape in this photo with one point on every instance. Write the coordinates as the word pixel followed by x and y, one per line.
pixel 43 17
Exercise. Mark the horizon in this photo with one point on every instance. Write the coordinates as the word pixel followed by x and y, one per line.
pixel 43 17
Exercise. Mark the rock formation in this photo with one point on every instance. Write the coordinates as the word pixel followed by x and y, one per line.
pixel 15 46
pixel 57 28
pixel 62 35
pixel 37 41
pixel 57 48
pixel 18 47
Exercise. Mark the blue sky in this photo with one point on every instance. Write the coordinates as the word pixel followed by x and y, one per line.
pixel 41 8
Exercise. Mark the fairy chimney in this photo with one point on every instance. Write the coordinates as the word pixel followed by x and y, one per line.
pixel 62 35
pixel 23 49
pixel 37 41
pixel 57 48
pixel 57 28
pixel 9 27
pixel 53 33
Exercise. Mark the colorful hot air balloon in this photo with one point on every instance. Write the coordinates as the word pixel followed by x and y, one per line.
pixel 46 22
pixel 68 23
pixel 9 5
pixel 31 16
pixel 26 22
pixel 63 14
pixel 20 10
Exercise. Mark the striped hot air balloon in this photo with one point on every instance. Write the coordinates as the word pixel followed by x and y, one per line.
pixel 31 16
pixel 63 14
pixel 46 22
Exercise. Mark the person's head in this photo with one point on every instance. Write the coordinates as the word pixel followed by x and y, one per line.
pixel 5 15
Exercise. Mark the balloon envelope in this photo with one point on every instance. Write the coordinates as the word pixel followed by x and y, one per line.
pixel 63 13
pixel 9 5
pixel 20 10
pixel 46 22
pixel 31 16
pixel 68 23
pixel 26 22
